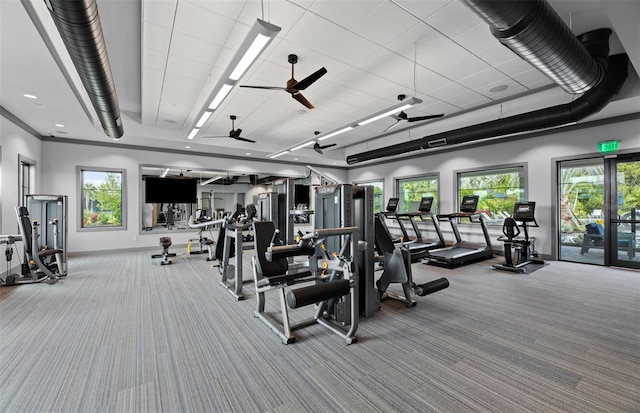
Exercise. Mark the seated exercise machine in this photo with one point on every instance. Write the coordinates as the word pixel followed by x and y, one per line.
pixel 397 269
pixel 462 252
pixel 231 242
pixel 518 252
pixel 205 244
pixel 41 264
pixel 335 280
pixel 165 243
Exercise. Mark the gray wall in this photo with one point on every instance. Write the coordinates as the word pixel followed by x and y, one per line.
pixel 538 154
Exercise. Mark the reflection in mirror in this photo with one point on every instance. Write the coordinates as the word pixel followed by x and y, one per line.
pixel 172 197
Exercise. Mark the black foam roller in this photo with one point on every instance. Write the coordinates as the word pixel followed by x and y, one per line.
pixel 431 287
pixel 316 293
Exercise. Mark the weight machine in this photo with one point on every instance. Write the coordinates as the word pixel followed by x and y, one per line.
pixel 518 252
pixel 232 236
pixel 51 209
pixel 335 288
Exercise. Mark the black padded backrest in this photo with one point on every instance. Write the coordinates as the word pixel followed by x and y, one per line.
pixel 25 229
pixel 594 229
pixel 262 235
pixel 510 228
pixel 384 242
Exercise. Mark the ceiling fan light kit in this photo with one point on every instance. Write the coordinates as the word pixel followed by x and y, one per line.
pixel 259 37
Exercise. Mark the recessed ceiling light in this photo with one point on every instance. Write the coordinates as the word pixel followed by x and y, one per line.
pixel 59 125
pixel 248 153
pixel 187 147
pixel 62 132
pixel 295 159
pixel 170 121
pixel 30 96
pixel 498 88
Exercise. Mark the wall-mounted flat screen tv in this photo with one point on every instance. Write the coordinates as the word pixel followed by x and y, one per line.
pixel 170 190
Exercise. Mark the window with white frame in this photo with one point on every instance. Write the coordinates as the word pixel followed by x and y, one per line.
pixel 498 188
pixel 412 190
pixel 102 198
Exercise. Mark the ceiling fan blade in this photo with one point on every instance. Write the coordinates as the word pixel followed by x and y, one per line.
pixel 217 136
pixel 238 138
pixel 302 99
pixel 419 118
pixel 328 146
pixel 308 81
pixel 264 87
pixel 235 133
pixel 319 150
pixel 394 125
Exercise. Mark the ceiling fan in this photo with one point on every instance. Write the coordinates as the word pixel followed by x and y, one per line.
pixel 233 133
pixel 403 117
pixel 293 86
pixel 319 148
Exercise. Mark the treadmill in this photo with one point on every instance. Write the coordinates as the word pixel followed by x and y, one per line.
pixel 462 252
pixel 424 211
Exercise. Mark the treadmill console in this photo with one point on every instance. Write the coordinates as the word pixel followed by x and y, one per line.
pixel 469 204
pixel 425 204
pixel 392 205
pixel 524 211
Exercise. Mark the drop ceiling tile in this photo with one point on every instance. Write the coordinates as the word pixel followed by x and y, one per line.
pixel 424 9
pixel 230 8
pixel 479 80
pixel 316 33
pixel 496 54
pixel 437 59
pixel 376 27
pixel 181 82
pixel 453 19
pixel 476 38
pixel 159 12
pixel 348 14
pixel 532 79
pixel 155 37
pixel 352 49
pixel 203 24
pixel 466 67
pixel 188 68
pixel 153 59
pixel 195 49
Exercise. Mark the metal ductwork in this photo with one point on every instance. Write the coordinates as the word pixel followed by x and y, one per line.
pixel 595 44
pixel 535 32
pixel 79 25
pixel 591 102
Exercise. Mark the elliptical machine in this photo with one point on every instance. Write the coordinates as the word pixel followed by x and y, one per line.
pixel 518 252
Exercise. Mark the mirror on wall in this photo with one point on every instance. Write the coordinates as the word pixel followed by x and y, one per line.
pixel 170 197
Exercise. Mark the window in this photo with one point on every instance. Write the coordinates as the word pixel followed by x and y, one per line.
pixel 378 194
pixel 26 178
pixel 102 197
pixel 412 190
pixel 499 190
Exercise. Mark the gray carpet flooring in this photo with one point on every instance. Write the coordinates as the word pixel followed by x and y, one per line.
pixel 124 334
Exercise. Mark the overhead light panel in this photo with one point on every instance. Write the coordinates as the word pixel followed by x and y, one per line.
pixel 384 114
pixel 259 37
pixel 208 181
pixel 332 134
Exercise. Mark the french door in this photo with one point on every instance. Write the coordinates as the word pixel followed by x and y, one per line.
pixel 599 211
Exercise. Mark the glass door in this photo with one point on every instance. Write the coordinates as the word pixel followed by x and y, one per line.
pixel 599 211
pixel 581 193
pixel 624 219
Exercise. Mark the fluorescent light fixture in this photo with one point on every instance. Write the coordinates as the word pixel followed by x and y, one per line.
pixel 402 105
pixel 164 174
pixel 208 181
pixel 28 96
pixel 193 133
pixel 59 125
pixel 397 108
pixel 222 93
pixel 302 145
pixel 203 119
pixel 254 50
pixel 338 132
pixel 258 38
pixel 278 154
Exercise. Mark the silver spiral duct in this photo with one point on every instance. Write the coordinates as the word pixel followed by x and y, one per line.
pixel 535 32
pixel 79 26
